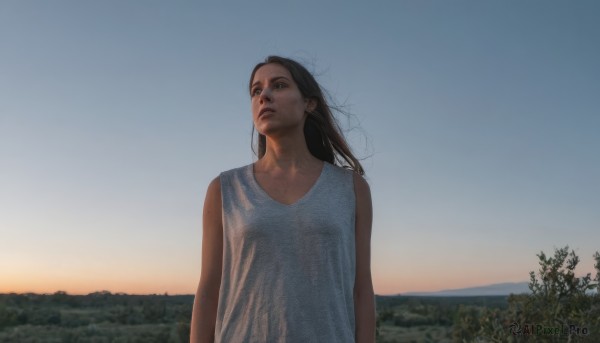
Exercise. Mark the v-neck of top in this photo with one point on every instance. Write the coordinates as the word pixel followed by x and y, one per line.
pixel 258 187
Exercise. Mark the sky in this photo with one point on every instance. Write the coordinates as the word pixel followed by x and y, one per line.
pixel 477 123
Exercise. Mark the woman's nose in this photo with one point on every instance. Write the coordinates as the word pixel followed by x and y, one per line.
pixel 265 95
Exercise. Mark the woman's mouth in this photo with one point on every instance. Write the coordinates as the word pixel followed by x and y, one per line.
pixel 265 110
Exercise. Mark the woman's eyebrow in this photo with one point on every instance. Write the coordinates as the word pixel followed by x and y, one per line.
pixel 271 80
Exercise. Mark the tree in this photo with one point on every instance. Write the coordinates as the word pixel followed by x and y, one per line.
pixel 561 307
pixel 559 298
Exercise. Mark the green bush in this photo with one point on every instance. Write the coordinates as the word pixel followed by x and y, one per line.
pixel 559 302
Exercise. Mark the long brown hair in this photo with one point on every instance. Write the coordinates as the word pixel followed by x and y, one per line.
pixel 321 130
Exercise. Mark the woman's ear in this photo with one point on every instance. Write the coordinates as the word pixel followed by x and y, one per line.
pixel 311 104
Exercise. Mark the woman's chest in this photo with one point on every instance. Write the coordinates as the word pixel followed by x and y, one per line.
pixel 285 189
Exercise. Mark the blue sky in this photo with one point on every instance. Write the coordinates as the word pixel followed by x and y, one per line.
pixel 478 122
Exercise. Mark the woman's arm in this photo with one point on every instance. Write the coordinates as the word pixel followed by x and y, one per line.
pixel 364 297
pixel 204 313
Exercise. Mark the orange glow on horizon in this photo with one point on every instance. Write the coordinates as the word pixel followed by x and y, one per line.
pixel 81 284
pixel 383 285
pixel 85 288
pixel 81 278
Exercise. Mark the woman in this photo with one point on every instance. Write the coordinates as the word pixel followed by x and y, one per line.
pixel 286 240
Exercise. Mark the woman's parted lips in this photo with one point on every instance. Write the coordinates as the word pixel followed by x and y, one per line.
pixel 266 109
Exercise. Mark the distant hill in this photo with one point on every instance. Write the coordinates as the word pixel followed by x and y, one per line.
pixel 505 288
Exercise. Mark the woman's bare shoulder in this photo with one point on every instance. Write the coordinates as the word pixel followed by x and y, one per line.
pixel 361 186
pixel 212 199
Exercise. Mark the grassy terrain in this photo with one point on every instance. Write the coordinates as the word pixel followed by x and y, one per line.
pixel 106 317
pixel 416 334
pixel 425 318
pixel 96 317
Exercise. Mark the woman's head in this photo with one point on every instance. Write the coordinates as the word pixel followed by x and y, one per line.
pixel 278 106
pixel 321 131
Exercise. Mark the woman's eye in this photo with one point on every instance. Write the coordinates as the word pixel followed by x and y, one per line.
pixel 255 91
pixel 280 85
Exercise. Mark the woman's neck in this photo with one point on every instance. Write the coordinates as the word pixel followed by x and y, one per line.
pixel 287 153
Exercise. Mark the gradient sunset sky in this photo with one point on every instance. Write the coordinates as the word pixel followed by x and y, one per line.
pixel 479 122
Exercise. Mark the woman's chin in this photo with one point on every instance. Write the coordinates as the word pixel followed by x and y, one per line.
pixel 275 129
pixel 268 129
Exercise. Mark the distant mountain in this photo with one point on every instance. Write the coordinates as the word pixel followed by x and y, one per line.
pixel 505 288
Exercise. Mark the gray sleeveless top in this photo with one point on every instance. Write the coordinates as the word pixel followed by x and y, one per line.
pixel 288 270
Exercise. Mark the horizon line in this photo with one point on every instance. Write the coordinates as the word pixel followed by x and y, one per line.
pixel 178 294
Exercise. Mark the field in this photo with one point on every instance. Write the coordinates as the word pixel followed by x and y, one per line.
pixel 426 319
pixel 423 333
pixel 96 317
pixel 106 317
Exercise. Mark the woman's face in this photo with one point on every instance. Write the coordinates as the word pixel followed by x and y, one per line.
pixel 278 107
